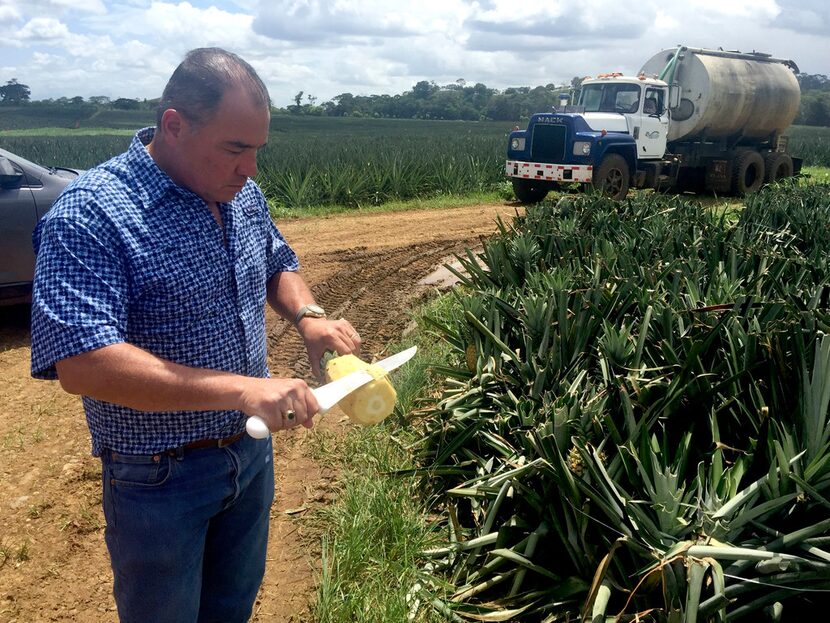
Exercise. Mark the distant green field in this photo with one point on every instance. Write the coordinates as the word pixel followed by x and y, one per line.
pixel 812 144
pixel 318 160
pixel 64 132
pixel 322 160
pixel 35 116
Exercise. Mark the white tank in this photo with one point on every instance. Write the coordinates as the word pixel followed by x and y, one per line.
pixel 728 94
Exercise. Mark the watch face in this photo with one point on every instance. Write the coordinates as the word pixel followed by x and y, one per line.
pixel 310 311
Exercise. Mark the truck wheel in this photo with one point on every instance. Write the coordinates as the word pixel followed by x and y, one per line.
pixel 611 177
pixel 777 166
pixel 529 191
pixel 747 173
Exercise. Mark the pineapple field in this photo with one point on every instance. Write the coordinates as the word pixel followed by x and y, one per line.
pixel 634 424
pixel 631 423
pixel 313 161
pixel 353 162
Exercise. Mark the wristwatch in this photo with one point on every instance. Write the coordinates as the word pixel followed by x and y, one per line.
pixel 315 311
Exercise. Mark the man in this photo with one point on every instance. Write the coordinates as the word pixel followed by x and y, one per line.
pixel 152 274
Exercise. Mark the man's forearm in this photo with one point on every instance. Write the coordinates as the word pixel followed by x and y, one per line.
pixel 130 376
pixel 287 292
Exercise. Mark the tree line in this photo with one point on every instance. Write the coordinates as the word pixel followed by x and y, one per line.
pixel 815 100
pixel 428 100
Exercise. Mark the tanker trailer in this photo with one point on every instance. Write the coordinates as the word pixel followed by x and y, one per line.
pixel 729 114
pixel 692 119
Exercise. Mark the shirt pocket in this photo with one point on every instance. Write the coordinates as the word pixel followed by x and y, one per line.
pixel 251 265
pixel 173 288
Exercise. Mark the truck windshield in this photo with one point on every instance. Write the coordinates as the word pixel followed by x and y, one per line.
pixel 621 98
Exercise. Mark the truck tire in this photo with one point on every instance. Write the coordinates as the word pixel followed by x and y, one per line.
pixel 777 166
pixel 529 191
pixel 611 178
pixel 747 172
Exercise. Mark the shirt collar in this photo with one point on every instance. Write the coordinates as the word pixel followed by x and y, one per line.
pixel 157 182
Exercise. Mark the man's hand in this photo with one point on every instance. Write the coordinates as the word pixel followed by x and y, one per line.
pixel 321 335
pixel 126 375
pixel 287 293
pixel 282 403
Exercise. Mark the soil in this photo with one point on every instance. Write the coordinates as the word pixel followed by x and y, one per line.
pixel 54 566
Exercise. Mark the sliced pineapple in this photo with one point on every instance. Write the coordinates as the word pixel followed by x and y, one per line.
pixel 370 403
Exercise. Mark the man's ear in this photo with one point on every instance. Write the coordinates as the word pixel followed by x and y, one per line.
pixel 172 123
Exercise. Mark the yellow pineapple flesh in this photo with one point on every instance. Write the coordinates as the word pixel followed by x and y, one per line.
pixel 370 403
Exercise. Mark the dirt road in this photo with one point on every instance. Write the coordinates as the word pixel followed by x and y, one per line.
pixel 53 562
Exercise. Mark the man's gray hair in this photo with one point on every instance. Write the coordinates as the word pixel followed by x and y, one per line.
pixel 197 85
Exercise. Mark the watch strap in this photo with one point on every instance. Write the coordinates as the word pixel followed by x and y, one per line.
pixel 315 311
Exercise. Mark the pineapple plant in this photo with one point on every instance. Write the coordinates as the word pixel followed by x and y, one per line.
pixel 644 433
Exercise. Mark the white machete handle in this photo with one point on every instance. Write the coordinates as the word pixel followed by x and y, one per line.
pixel 258 429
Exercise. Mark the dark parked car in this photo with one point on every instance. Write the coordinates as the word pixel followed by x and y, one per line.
pixel 27 191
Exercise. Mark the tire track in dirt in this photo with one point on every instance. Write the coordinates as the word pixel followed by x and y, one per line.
pixel 374 293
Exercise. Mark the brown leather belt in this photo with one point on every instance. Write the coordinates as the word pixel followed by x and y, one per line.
pixel 212 443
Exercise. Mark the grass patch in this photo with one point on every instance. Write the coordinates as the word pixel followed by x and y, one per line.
pixel 20 554
pixel 374 532
pixel 430 203
pixel 816 175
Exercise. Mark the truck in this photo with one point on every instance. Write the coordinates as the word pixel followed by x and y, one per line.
pixel 692 119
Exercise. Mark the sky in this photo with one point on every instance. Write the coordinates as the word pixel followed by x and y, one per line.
pixel 129 48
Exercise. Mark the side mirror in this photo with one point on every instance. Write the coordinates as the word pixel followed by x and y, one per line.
pixel 9 176
pixel 674 95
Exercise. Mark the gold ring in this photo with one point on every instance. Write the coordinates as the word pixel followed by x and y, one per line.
pixel 354 335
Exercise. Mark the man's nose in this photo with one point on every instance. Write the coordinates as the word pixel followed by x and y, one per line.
pixel 247 164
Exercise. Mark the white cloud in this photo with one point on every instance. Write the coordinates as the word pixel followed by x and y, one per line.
pixel 718 9
pixel 805 16
pixel 329 22
pixel 128 48
pixel 43 30
pixel 663 21
pixel 187 22
pixel 59 7
pixel 9 13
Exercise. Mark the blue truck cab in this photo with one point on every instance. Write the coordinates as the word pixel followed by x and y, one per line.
pixel 619 124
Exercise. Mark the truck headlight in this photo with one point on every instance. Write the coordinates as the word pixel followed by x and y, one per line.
pixel 582 148
pixel 517 144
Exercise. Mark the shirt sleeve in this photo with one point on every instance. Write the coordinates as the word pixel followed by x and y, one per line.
pixel 78 300
pixel 279 256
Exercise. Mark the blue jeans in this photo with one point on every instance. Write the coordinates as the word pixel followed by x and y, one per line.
pixel 187 531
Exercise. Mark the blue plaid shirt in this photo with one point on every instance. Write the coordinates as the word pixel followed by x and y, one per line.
pixel 126 255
